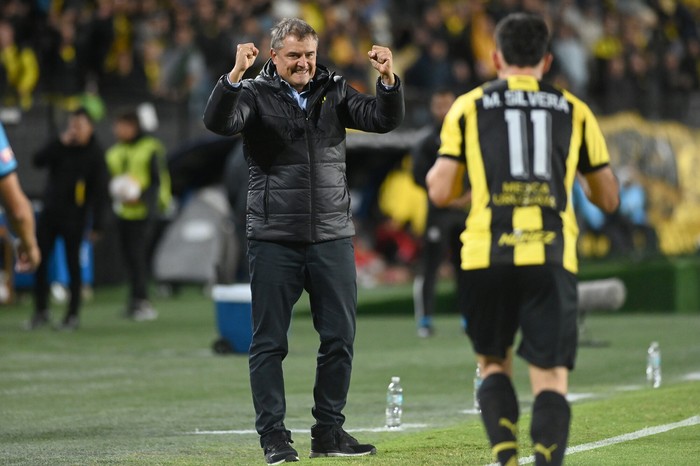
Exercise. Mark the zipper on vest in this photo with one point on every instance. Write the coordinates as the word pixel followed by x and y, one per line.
pixel 312 182
pixel 310 107
pixel 266 199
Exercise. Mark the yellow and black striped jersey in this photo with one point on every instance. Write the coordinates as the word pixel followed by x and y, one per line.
pixel 522 141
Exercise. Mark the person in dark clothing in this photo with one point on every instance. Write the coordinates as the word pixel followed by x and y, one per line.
pixel 443 225
pixel 73 201
pixel 293 117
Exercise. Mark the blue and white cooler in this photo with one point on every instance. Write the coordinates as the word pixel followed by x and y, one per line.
pixel 233 318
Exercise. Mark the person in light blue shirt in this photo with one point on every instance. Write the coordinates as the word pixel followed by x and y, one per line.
pixel 8 163
pixel 17 208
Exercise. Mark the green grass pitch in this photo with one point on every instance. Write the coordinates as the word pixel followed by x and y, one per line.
pixel 123 393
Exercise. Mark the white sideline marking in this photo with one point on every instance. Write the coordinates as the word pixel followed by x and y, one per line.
pixel 692 376
pixel 307 431
pixel 646 432
pixel 573 397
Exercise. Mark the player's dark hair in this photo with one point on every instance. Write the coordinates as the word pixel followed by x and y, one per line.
pixel 82 111
pixel 522 38
pixel 130 117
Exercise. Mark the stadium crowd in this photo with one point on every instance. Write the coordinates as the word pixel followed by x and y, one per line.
pixel 641 55
pixel 628 55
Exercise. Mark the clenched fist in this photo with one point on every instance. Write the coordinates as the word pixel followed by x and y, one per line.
pixel 381 60
pixel 245 57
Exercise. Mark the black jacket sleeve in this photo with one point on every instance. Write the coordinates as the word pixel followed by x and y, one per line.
pixel 42 158
pixel 379 114
pixel 228 108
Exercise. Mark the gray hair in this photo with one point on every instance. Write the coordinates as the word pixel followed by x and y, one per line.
pixel 291 27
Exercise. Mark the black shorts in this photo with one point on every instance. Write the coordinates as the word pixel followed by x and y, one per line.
pixel 541 301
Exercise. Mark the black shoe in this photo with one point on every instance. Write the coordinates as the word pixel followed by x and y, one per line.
pixel 277 449
pixel 38 320
pixel 334 441
pixel 69 324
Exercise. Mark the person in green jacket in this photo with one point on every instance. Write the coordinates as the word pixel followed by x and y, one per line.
pixel 140 189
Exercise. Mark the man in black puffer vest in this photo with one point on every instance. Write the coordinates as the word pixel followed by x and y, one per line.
pixel 293 117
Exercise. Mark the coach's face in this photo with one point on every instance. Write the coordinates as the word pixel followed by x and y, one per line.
pixel 296 61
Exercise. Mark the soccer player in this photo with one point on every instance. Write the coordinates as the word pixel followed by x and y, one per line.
pixel 522 143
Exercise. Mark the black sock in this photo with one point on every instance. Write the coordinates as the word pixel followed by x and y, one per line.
pixel 499 411
pixel 551 416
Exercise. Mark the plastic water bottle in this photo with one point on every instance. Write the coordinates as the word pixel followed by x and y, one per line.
pixel 654 365
pixel 477 385
pixel 394 403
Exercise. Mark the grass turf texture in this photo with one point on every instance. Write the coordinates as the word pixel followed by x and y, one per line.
pixel 119 392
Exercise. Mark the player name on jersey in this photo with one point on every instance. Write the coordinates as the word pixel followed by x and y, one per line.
pixel 519 98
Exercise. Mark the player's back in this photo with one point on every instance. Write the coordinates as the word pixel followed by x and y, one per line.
pixel 523 141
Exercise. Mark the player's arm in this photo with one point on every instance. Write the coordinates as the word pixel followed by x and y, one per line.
pixel 444 181
pixel 602 189
pixel 21 216
pixel 600 184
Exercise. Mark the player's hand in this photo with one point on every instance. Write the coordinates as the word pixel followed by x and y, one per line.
pixel 245 57
pixel 28 257
pixel 381 60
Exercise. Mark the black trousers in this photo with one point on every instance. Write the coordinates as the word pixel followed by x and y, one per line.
pixel 442 231
pixel 50 226
pixel 135 238
pixel 279 274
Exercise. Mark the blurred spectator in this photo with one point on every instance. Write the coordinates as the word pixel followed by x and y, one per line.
pixel 633 210
pixel 443 225
pixel 73 201
pixel 19 69
pixel 183 72
pixel 608 47
pixel 212 38
pixel 127 82
pixel 676 85
pixel 140 189
pixel 627 230
pixel 64 65
pixel 96 37
pixel 620 93
pixel 590 218
pixel 432 69
pixel 116 43
pixel 572 58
